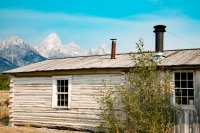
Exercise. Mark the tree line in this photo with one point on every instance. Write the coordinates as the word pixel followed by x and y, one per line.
pixel 4 82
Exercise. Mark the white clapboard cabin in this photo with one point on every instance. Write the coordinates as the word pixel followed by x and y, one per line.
pixel 61 92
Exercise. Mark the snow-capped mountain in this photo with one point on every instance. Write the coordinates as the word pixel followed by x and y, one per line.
pixel 15 52
pixel 51 42
pixel 99 51
pixel 51 47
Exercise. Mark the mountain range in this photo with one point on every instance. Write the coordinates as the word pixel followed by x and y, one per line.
pixel 14 52
pixel 51 47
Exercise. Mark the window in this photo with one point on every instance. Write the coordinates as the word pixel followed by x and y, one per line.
pixel 61 94
pixel 184 88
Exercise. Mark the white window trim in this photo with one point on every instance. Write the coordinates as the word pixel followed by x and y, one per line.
pixel 54 90
pixel 194 86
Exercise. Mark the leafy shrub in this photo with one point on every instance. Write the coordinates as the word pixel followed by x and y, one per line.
pixel 143 106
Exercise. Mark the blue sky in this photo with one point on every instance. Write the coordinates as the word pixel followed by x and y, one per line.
pixel 90 23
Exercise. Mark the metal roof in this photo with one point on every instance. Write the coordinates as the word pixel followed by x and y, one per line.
pixel 172 58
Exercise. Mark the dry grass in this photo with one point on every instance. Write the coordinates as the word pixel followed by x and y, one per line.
pixel 33 130
pixel 4 101
pixel 4 112
pixel 17 130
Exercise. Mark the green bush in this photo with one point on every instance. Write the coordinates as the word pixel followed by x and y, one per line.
pixel 4 82
pixel 142 106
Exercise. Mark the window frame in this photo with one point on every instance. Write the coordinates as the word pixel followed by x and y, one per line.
pixel 194 86
pixel 54 91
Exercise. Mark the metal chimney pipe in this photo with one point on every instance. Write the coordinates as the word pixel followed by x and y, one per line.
pixel 159 31
pixel 113 49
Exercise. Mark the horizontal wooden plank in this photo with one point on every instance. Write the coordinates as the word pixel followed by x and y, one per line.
pixel 55 125
pixel 65 115
pixel 42 110
pixel 81 122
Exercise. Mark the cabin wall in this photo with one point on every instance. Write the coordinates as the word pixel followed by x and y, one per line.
pixel 31 101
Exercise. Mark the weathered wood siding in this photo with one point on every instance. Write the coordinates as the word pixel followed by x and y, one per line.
pixel 31 101
pixel 187 119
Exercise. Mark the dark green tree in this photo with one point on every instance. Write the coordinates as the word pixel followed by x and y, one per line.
pixel 4 82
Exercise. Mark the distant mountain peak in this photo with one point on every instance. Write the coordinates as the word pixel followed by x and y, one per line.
pixel 51 47
pixel 72 44
pixel 14 40
pixel 51 41
pixel 52 35
pixel 103 49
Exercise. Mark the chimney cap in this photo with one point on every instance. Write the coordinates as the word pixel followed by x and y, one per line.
pixel 159 28
pixel 113 39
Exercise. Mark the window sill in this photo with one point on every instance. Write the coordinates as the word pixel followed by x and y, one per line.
pixel 187 107
pixel 61 108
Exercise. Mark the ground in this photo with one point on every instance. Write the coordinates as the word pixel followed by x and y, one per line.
pixel 7 129
pixel 4 120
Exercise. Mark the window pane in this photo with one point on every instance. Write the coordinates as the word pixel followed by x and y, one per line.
pixel 184 92
pixel 62 89
pixel 178 100
pixel 184 100
pixel 62 103
pixel 183 84
pixel 62 82
pixel 66 99
pixel 66 103
pixel 58 89
pixel 191 100
pixel 58 83
pixel 177 84
pixel 66 82
pixel 61 100
pixel 58 100
pixel 66 89
pixel 190 76
pixel 190 84
pixel 178 92
pixel 190 92
pixel 62 96
pixel 183 76
pixel 177 76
